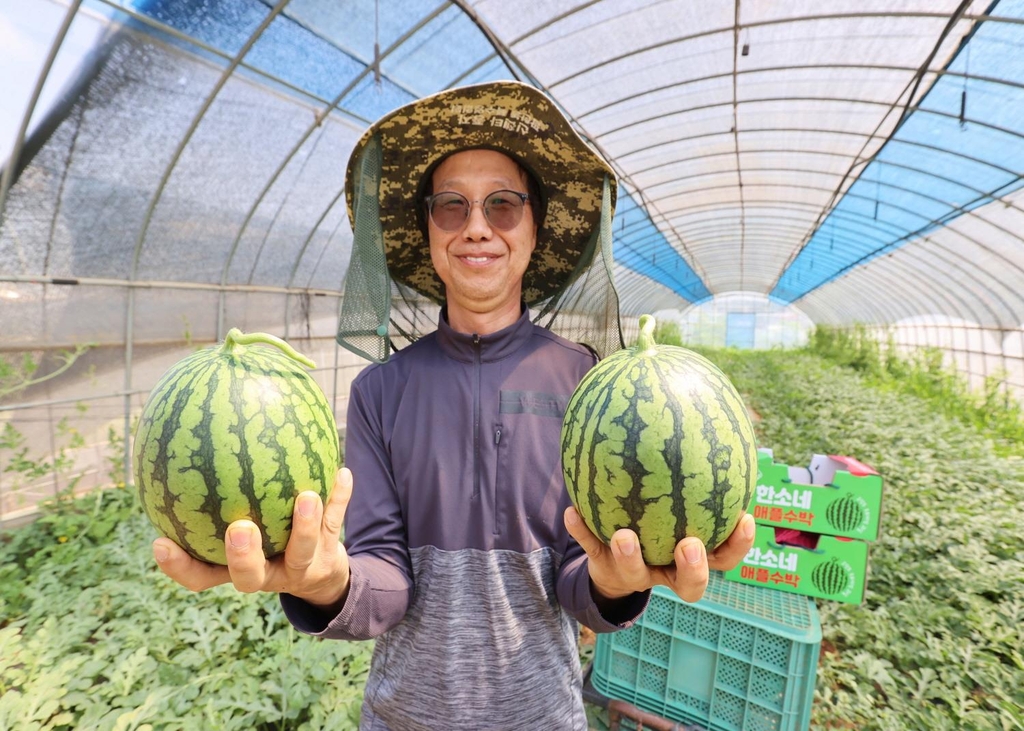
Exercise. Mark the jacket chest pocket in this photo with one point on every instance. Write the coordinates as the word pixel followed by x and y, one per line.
pixel 529 491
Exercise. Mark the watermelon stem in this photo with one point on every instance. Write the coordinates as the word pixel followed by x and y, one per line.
pixel 237 337
pixel 645 342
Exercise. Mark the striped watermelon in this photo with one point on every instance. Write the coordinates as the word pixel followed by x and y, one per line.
pixel 656 439
pixel 233 431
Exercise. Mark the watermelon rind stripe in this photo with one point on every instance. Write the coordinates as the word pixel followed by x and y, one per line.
pixel 597 385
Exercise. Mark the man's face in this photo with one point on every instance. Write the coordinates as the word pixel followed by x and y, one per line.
pixel 481 266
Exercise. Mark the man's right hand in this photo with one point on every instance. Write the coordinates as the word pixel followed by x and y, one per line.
pixel 313 567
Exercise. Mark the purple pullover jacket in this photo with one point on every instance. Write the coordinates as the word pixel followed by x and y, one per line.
pixel 461 566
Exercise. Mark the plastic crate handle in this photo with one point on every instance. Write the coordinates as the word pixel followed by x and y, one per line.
pixel 644 720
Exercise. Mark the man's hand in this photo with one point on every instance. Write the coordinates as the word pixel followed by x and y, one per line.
pixel 313 567
pixel 618 570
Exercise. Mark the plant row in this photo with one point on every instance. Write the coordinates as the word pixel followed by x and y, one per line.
pixel 939 641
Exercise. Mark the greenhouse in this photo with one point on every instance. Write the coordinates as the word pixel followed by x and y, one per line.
pixel 825 200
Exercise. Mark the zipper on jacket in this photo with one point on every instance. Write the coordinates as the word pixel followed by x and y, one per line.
pixel 496 472
pixel 476 420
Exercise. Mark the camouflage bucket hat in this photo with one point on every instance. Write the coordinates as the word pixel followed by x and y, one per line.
pixel 507 116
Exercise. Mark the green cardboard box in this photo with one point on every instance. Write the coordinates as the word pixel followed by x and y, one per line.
pixel 834 495
pixel 834 568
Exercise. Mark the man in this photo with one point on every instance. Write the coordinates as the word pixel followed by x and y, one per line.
pixel 463 555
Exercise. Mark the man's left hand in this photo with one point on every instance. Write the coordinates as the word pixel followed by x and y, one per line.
pixel 618 570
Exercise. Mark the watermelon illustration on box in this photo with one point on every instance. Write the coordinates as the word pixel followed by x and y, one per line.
pixel 813 527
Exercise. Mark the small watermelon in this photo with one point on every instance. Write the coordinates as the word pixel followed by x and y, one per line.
pixel 230 432
pixel 655 438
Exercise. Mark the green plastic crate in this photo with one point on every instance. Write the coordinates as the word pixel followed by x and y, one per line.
pixel 743 658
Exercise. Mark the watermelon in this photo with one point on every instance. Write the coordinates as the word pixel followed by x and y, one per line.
pixel 233 431
pixel 655 438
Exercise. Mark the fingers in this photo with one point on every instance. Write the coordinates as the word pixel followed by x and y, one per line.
pixel 314 525
pixel 246 563
pixel 591 544
pixel 691 575
pixel 316 531
pixel 306 527
pixel 617 569
pixel 194 575
pixel 728 555
pixel 337 505
pixel 629 560
pixel 693 563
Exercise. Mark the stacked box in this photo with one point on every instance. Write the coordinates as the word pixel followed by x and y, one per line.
pixel 742 657
pixel 835 495
pixel 813 527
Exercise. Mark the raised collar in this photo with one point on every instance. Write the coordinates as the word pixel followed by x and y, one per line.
pixel 492 347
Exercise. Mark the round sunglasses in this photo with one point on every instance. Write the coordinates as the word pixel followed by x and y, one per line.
pixel 503 209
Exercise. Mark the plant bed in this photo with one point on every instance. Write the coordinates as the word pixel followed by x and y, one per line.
pixel 937 642
pixel 93 636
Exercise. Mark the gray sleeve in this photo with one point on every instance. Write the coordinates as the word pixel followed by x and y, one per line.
pixel 381 581
pixel 369 608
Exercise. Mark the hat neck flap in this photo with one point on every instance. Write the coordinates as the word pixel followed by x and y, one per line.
pixel 366 302
pixel 586 310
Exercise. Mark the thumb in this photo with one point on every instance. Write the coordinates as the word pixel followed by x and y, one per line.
pixel 590 543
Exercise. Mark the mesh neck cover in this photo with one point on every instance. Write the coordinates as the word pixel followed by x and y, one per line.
pixel 366 301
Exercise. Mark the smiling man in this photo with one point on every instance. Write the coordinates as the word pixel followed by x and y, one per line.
pixel 482 233
pixel 463 556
